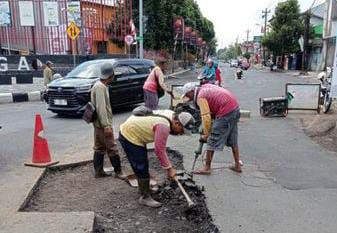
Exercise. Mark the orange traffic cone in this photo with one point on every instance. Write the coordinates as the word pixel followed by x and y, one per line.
pixel 41 155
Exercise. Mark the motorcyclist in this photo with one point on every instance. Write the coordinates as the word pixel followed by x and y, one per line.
pixel 209 72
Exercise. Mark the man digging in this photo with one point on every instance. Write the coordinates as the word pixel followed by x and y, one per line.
pixel 138 131
pixel 223 106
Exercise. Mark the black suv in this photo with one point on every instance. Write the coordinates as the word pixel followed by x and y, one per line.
pixel 70 94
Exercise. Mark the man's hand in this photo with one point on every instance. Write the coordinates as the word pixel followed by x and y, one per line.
pixel 203 138
pixel 171 173
pixel 108 132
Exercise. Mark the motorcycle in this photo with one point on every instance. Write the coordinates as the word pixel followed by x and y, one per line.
pixel 325 79
pixel 203 79
pixel 239 73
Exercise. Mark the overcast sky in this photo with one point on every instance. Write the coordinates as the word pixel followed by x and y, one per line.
pixel 232 18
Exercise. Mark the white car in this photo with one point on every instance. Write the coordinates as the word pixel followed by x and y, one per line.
pixel 234 63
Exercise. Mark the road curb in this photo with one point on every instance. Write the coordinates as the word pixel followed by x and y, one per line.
pixel 7 98
pixel 171 76
pixel 245 113
pixel 38 182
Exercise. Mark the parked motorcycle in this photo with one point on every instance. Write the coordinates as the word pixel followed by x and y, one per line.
pixel 325 78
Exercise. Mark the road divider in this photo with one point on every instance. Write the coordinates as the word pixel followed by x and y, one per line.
pixel 7 98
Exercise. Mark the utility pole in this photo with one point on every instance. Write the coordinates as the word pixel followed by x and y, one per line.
pixel 306 42
pixel 265 16
pixel 141 40
pixel 326 32
pixel 247 40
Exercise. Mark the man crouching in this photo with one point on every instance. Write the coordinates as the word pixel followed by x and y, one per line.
pixel 138 131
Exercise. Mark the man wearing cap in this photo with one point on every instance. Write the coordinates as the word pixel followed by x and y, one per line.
pixel 221 105
pixel 154 81
pixel 103 135
pixel 138 131
pixel 48 73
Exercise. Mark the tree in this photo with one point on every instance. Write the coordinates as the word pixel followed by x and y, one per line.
pixel 160 13
pixel 233 51
pixel 286 28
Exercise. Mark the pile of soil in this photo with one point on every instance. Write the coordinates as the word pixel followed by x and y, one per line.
pixel 115 202
pixel 322 129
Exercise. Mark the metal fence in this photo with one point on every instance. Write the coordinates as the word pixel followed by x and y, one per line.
pixel 39 26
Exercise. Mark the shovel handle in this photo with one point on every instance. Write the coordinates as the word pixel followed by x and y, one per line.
pixel 187 197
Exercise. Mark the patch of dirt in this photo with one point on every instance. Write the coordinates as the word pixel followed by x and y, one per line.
pixel 322 129
pixel 115 203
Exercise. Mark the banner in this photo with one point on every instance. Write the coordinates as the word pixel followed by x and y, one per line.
pixel 74 13
pixel 5 14
pixel 57 41
pixel 179 25
pixel 333 92
pixel 51 14
pixel 26 13
pixel 187 33
pixel 194 36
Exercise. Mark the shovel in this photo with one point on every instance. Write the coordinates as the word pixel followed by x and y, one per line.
pixel 190 203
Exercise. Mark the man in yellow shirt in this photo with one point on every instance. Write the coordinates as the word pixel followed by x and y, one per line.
pixel 138 131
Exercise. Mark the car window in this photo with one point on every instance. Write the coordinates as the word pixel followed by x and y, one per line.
pixel 132 71
pixel 121 71
pixel 87 70
pixel 140 68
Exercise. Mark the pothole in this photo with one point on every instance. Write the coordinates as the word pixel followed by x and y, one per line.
pixel 115 203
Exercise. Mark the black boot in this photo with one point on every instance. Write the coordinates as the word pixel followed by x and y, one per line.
pixel 98 165
pixel 116 164
pixel 145 194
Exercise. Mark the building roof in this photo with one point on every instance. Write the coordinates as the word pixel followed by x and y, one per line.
pixel 318 11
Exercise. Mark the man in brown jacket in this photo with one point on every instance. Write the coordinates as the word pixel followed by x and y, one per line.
pixel 48 73
pixel 104 138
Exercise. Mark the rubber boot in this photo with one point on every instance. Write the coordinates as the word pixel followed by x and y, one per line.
pixel 98 165
pixel 145 195
pixel 116 164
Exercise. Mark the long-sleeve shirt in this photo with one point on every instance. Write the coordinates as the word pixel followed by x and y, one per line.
pixel 216 101
pixel 47 75
pixel 101 100
pixel 141 130
pixel 151 83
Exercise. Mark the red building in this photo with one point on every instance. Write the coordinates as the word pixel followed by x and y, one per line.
pixel 40 26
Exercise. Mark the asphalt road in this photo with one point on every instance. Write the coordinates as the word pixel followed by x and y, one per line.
pixel 69 136
pixel 290 180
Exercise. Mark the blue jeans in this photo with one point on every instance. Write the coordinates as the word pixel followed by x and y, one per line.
pixel 137 156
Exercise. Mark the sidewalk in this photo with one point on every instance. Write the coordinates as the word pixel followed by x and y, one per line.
pixel 13 192
pixel 295 73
